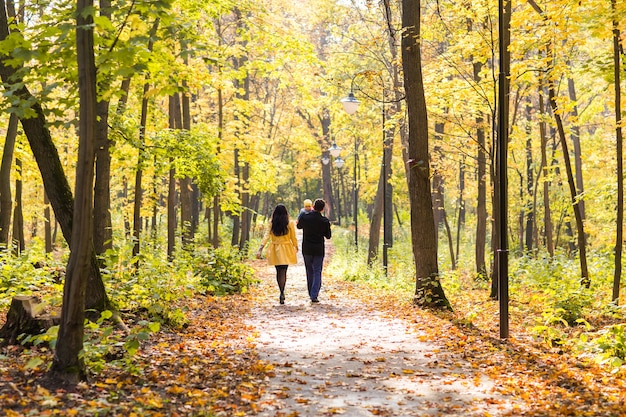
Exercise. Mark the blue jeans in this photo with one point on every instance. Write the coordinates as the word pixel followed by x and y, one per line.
pixel 313 265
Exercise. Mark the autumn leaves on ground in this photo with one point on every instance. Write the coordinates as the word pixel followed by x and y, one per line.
pixel 358 353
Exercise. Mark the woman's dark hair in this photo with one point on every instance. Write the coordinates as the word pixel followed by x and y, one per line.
pixel 280 221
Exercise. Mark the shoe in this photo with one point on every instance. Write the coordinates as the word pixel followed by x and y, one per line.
pixel 282 299
pixel 315 300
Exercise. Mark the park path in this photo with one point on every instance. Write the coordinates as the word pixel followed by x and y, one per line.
pixel 343 357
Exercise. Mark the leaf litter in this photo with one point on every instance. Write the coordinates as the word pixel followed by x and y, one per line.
pixel 357 353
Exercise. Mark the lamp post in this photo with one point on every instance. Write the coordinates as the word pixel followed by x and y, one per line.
pixel 350 105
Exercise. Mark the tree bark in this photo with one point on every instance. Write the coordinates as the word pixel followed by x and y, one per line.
pixel 6 202
pixel 547 215
pixel 619 232
pixel 103 232
pixel 53 176
pixel 68 365
pixel 428 290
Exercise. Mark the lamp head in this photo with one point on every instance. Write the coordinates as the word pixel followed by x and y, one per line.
pixel 334 150
pixel 350 103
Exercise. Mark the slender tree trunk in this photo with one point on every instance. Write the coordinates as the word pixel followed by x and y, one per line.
pixel 428 290
pixel 619 233
pixel 575 135
pixel 6 202
pixel 19 243
pixel 460 222
pixel 528 238
pixel 103 232
pixel 68 364
pixel 545 171
pixel 186 212
pixel 582 250
pixel 137 201
pixel 174 123
pixel 47 224
pixel 481 198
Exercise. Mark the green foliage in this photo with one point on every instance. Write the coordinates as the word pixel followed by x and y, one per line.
pixel 352 265
pixel 610 346
pixel 29 274
pixel 155 286
pixel 223 271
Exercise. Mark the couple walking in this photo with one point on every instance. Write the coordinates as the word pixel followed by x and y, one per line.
pixel 283 245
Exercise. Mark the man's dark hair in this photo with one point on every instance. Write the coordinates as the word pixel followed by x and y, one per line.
pixel 319 205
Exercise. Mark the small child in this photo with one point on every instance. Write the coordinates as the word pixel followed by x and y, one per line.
pixel 308 206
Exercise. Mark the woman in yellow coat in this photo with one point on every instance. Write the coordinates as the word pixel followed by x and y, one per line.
pixel 283 246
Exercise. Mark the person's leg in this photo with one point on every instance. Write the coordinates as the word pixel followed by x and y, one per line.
pixel 281 279
pixel 308 266
pixel 318 262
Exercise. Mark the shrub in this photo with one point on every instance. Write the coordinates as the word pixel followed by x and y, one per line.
pixel 223 271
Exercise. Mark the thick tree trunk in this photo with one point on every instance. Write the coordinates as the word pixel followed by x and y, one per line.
pixel 428 290
pixel 54 180
pixel 25 318
pixel 68 365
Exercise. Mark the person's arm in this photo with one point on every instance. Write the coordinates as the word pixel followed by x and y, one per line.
pixel 266 237
pixel 292 235
pixel 328 233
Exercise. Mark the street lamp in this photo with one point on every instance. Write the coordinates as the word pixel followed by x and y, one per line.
pixel 334 150
pixel 350 105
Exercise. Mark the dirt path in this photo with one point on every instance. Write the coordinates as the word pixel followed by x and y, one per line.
pixel 340 357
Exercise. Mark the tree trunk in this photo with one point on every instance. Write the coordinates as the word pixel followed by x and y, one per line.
pixel 19 243
pixel 6 203
pixel 481 198
pixel 575 135
pixel 24 318
pixel 545 171
pixel 619 233
pixel 48 224
pixel 585 280
pixel 68 365
pixel 54 180
pixel 186 209
pixel 528 237
pixel 460 222
pixel 428 290
pixel 174 121
pixel 103 232
pixel 137 201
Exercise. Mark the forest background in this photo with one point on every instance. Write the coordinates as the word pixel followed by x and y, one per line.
pixel 212 112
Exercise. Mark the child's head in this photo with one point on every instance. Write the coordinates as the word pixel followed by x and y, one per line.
pixel 308 204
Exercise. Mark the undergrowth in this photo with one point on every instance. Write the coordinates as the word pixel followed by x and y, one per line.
pixel 547 302
pixel 148 291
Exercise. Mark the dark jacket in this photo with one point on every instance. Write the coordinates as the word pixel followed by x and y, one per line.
pixel 315 228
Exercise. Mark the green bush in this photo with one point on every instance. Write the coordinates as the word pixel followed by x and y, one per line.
pixel 223 271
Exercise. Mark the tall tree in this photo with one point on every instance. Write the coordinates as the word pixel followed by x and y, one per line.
pixel 428 289
pixel 6 202
pixel 68 365
pixel 55 182
pixel 619 141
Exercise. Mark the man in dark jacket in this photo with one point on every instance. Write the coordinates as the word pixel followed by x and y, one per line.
pixel 315 227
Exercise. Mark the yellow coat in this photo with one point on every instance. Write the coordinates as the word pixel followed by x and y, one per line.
pixel 281 249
